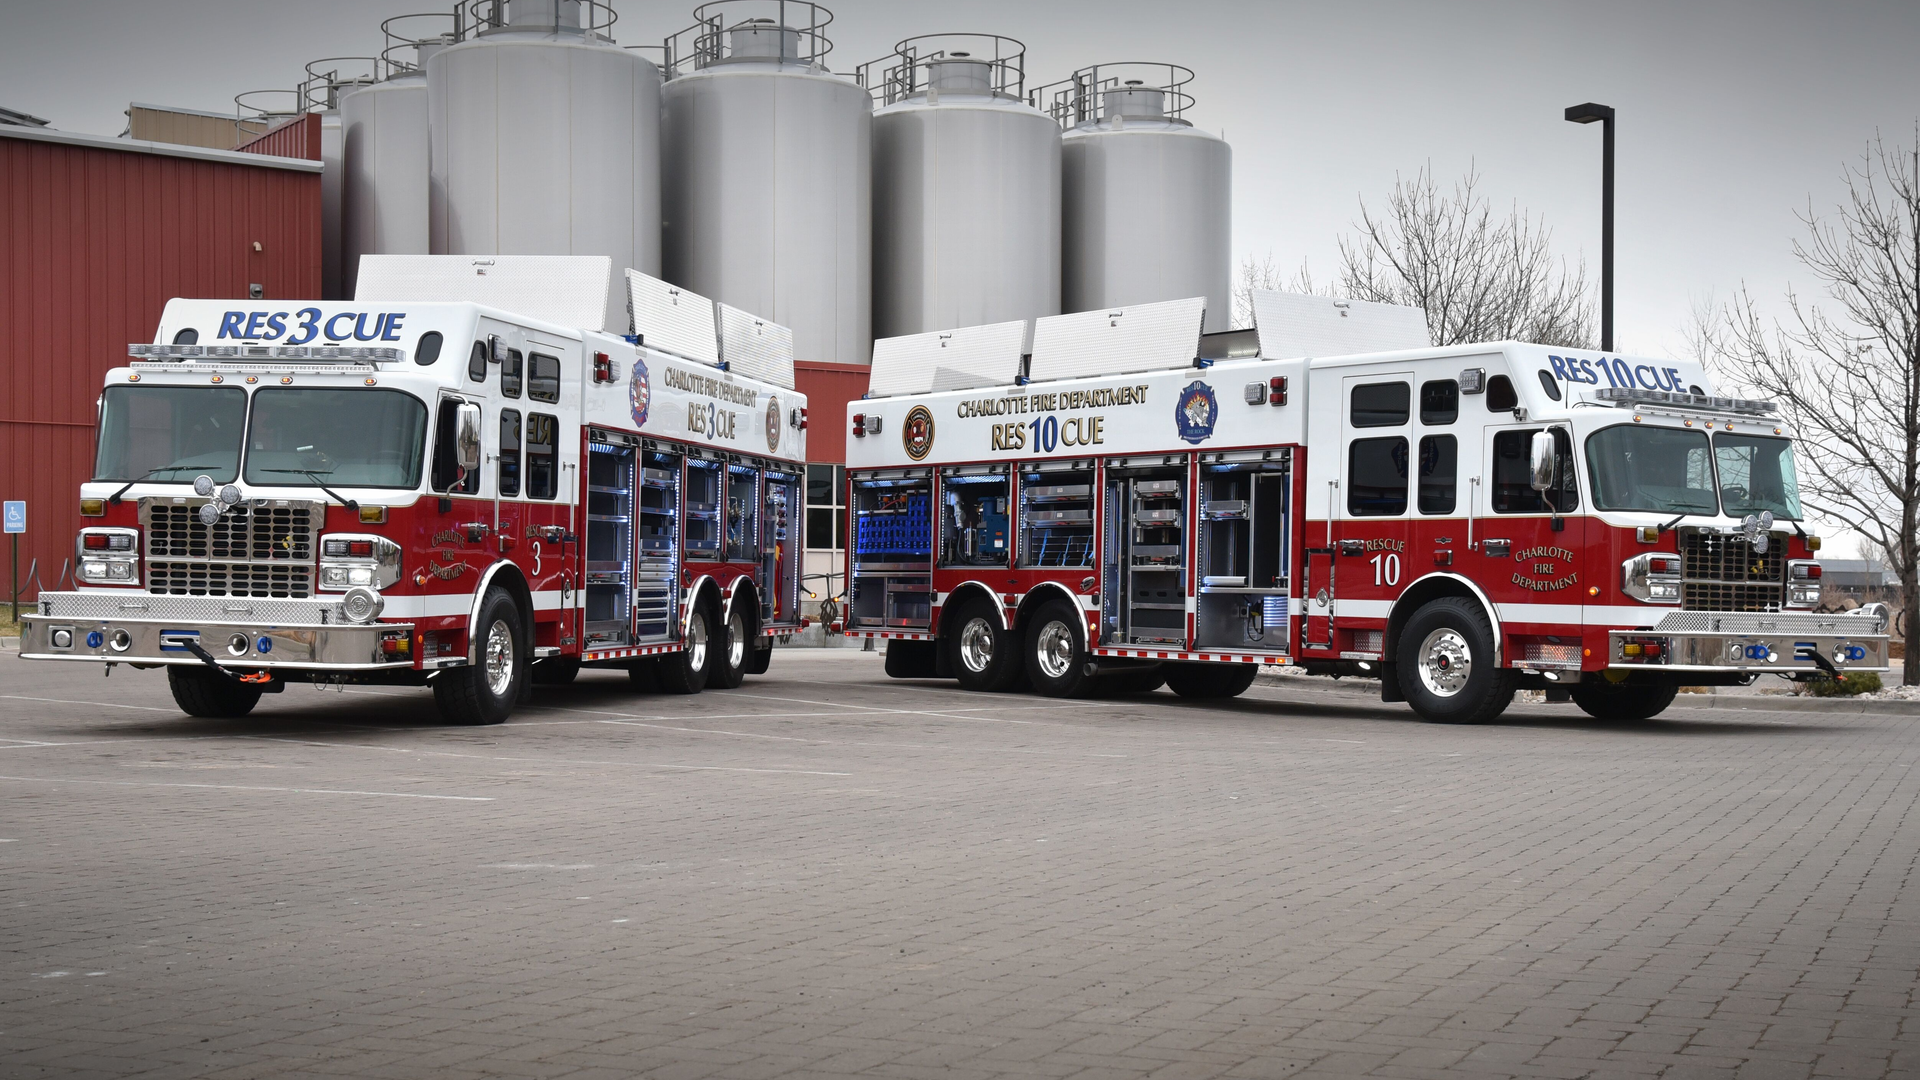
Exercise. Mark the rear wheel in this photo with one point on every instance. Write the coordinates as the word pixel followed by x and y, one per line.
pixel 735 653
pixel 1610 701
pixel 1210 680
pixel 201 691
pixel 1056 654
pixel 982 655
pixel 686 671
pixel 485 692
pixel 1447 666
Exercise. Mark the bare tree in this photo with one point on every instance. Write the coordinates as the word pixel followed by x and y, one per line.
pixel 1848 376
pixel 1479 277
pixel 1262 273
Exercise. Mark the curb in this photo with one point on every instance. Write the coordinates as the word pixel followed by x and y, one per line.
pixel 1370 688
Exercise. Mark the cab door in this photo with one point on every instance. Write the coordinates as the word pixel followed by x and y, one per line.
pixel 1372 510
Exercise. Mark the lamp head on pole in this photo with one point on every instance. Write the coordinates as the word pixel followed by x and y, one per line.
pixel 1588 113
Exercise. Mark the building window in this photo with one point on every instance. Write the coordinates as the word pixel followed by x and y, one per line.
pixel 826 506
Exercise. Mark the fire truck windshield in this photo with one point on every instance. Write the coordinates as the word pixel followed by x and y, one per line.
pixel 170 434
pixel 1658 469
pixel 338 438
pixel 1757 474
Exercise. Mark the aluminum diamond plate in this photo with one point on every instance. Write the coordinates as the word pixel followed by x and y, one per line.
pixel 672 319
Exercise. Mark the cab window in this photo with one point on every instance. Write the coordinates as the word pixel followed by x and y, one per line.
pixel 1380 404
pixel 509 479
pixel 510 374
pixel 1377 477
pixel 543 464
pixel 1513 491
pixel 1501 396
pixel 1439 402
pixel 543 377
pixel 447 476
pixel 477 362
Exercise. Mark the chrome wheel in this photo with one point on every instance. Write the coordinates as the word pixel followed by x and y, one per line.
pixel 697 641
pixel 1053 649
pixel 737 641
pixel 1444 662
pixel 976 645
pixel 499 658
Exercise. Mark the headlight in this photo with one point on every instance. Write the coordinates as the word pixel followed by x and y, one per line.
pixel 107 557
pixel 358 561
pixel 1653 578
pixel 1803 583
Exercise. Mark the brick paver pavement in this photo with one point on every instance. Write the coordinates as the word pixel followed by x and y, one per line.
pixel 826 873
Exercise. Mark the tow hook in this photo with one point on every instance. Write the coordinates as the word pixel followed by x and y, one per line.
pixel 1825 665
pixel 258 678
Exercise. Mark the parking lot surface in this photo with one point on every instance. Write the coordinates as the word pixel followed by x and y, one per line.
pixel 828 873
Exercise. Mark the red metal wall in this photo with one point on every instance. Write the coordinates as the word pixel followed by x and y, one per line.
pixel 93 243
pixel 828 388
pixel 298 137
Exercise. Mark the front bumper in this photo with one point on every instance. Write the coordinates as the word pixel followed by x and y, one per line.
pixel 1758 643
pixel 138 628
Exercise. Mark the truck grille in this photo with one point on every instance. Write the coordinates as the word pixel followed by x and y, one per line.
pixel 254 551
pixel 1720 572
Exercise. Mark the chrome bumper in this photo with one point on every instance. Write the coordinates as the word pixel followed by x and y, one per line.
pixel 121 628
pixel 1758 643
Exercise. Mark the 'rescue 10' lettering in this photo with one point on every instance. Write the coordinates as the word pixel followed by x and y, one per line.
pixel 1051 432
pixel 308 324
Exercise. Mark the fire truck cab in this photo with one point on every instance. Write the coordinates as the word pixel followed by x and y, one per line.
pixel 1127 503
pixel 456 479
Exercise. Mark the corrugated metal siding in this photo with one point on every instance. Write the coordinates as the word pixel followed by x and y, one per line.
pixel 828 388
pixel 93 242
pixel 297 138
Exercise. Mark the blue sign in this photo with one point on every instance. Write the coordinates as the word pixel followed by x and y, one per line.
pixel 1195 411
pixel 16 515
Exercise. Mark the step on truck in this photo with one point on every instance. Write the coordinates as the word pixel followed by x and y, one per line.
pixel 1110 502
pixel 458 479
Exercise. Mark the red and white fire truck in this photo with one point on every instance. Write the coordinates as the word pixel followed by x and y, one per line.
pixel 1123 503
pixel 456 479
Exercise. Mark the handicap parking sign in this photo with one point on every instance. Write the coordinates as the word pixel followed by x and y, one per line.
pixel 16 515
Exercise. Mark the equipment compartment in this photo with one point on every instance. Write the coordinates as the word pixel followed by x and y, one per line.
pixel 1056 516
pixel 1242 553
pixel 891 584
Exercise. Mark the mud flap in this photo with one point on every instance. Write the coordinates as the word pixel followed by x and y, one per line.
pixel 910 659
pixel 1390 682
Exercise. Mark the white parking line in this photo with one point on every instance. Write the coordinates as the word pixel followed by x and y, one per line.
pixel 249 787
pixel 96 704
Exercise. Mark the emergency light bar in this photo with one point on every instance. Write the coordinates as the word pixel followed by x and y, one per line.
pixel 263 352
pixel 1627 397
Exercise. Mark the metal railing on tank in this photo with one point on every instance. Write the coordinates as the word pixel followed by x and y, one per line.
pixel 257 112
pixel 588 18
pixel 908 69
pixel 409 39
pixel 1127 90
pixel 325 85
pixel 760 31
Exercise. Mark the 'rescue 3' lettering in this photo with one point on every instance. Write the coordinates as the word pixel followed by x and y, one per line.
pixel 308 324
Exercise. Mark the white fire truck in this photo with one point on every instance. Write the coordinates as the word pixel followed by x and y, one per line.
pixel 457 479
pixel 1122 504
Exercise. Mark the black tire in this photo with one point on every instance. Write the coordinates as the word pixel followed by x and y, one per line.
pixel 643 675
pixel 200 691
pixel 686 671
pixel 760 660
pixel 1132 681
pixel 1055 657
pixel 979 653
pixel 736 652
pixel 556 671
pixel 1210 680
pixel 1436 643
pixel 910 660
pixel 1623 702
pixel 486 691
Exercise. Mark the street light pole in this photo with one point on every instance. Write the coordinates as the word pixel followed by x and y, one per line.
pixel 1587 114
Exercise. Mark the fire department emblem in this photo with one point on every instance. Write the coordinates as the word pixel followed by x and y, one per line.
pixel 917 433
pixel 773 423
pixel 1195 412
pixel 640 392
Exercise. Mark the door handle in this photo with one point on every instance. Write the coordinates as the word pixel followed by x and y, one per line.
pixel 1353 547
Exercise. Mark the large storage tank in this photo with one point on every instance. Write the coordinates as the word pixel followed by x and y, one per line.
pixel 767 173
pixel 328 81
pixel 1147 206
pixel 545 139
pixel 966 189
pixel 384 159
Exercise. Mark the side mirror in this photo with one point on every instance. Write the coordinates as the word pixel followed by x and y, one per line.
pixel 1540 461
pixel 466 436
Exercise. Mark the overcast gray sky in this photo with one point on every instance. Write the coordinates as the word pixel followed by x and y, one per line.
pixel 1732 114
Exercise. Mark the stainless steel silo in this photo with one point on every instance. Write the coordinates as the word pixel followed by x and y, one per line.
pixel 545 138
pixel 966 188
pixel 384 159
pixel 329 80
pixel 1147 201
pixel 767 172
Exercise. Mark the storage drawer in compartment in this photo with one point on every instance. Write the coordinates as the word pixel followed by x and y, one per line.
pixel 1157 487
pixel 1053 516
